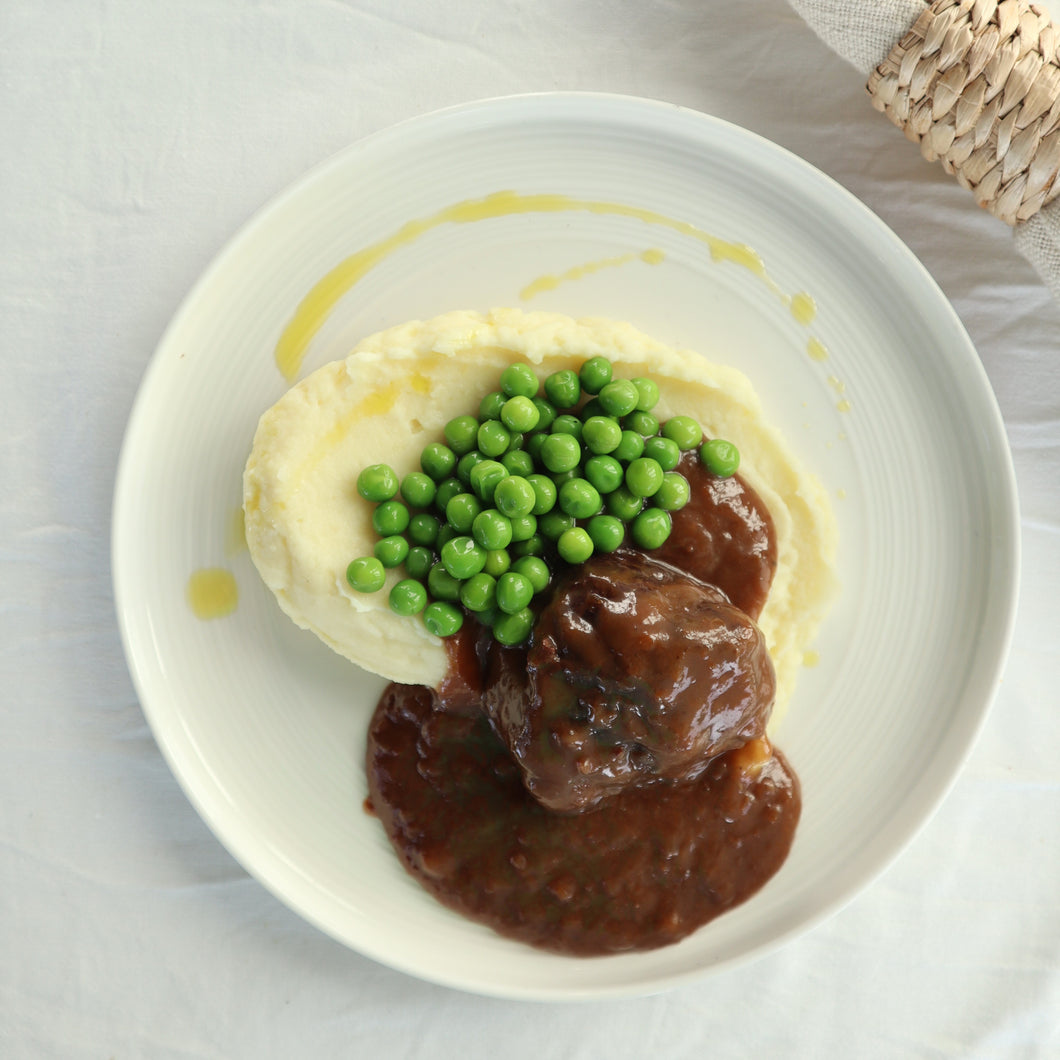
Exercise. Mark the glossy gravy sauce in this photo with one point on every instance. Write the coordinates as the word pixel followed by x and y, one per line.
pixel 592 860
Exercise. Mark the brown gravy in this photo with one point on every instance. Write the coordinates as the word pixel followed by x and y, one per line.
pixel 668 849
pixel 646 868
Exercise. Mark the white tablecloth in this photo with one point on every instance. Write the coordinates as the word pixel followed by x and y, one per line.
pixel 136 137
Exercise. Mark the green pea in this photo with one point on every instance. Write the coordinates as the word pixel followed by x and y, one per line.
pixel 442 585
pixel 447 490
pixel 535 569
pixel 466 463
pixel 493 438
pixel 607 532
pixel 408 597
pixel 623 504
pixel 544 493
pixel 391 551
pixel 684 431
pixel 533 446
pixel 418 562
pixel 438 461
pixel 567 424
pixel 460 434
pixel 391 517
pixel 563 389
pixel 619 397
pixel 524 527
pixel 604 472
pixel 519 380
pixel 485 477
pixel 518 462
pixel 644 423
pixel 601 434
pixel 366 574
pixel 647 394
pixel 663 451
pixel 443 619
pixel 595 374
pixel 591 408
pixel 461 511
pixel 651 528
pixel 377 483
pixel 674 493
pixel 492 530
pixel 490 406
pixel 423 529
pixel 630 447
pixel 579 498
pixel 418 489
pixel 463 557
pixel 479 592
pixel 643 476
pixel 575 545
pixel 514 497
pixel 561 452
pixel 497 562
pixel 520 414
pixel 546 413
pixel 719 457
pixel 445 533
pixel 534 545
pixel 514 592
pixel 510 630
pixel 555 524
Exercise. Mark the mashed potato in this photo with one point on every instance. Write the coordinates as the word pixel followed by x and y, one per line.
pixel 394 394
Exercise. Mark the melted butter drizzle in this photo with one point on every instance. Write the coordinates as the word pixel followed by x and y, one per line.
pixel 377 403
pixel 315 307
pixel 577 272
pixel 803 308
pixel 816 349
pixel 212 592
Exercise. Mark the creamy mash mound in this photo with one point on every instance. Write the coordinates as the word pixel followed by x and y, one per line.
pixel 394 394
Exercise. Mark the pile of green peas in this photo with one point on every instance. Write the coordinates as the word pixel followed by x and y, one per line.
pixel 544 474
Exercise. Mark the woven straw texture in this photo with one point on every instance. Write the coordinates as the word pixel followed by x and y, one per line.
pixel 977 84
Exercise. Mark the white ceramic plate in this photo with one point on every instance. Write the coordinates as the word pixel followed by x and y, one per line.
pixel 264 726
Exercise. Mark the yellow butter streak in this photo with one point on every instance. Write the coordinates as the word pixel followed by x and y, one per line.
pixel 377 403
pixel 577 272
pixel 314 309
pixel 803 308
pixel 212 592
pixel 381 401
pixel 817 350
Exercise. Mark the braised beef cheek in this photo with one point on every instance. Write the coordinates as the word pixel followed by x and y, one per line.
pixel 646 868
pixel 724 536
pixel 636 673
